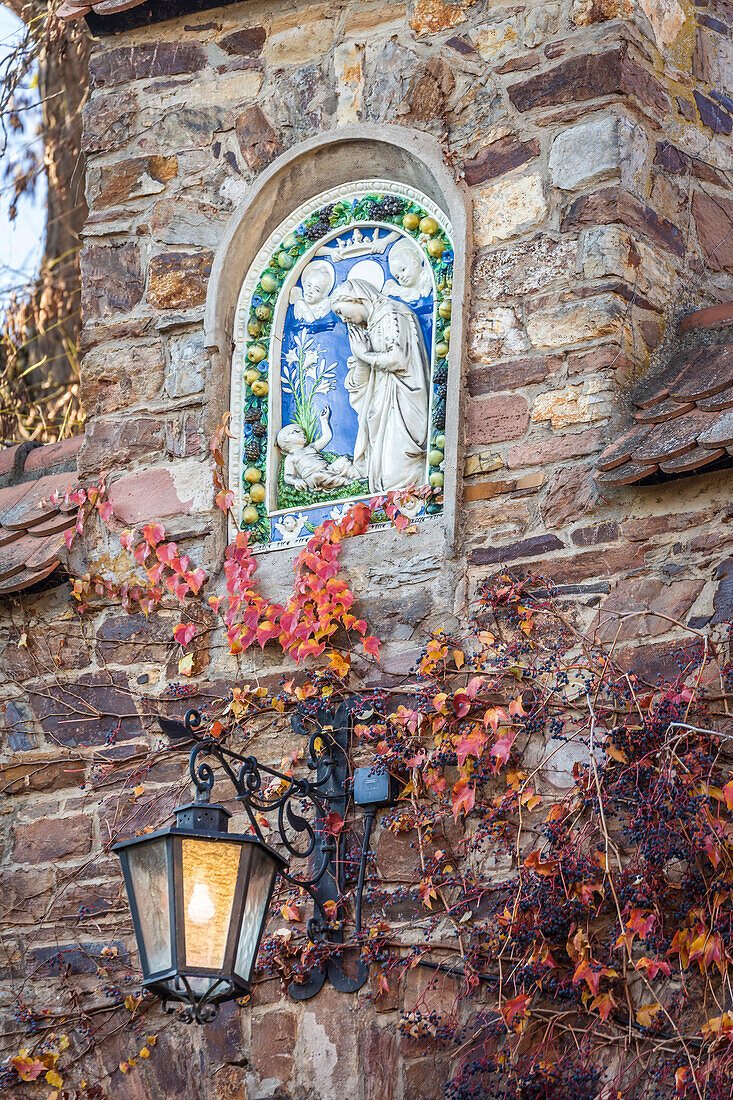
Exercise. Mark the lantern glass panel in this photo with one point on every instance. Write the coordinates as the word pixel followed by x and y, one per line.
pixel 148 870
pixel 209 877
pixel 262 873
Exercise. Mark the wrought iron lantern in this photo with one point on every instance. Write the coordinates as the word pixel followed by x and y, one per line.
pixel 200 896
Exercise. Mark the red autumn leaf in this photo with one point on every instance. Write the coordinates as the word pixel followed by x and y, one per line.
pixel 463 796
pixel 290 911
pixel 474 686
pixel 184 632
pixel 195 579
pixel 427 892
pixel 516 1007
pixel 516 708
pixel 502 747
pixel 167 552
pixel 471 744
pixel 153 533
pixel 69 537
pixel 105 511
pixel 728 792
pixel 333 823
pixel 225 499
pixel 371 644
pixel 585 972
pixel 653 967
pixel 603 1004
pixel 534 862
pixel 126 539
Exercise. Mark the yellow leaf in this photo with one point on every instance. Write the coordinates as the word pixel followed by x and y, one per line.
pixel 646 1013
pixel 617 754
pixel 138 791
pixel 54 1079
pixel 130 1004
pixel 23 641
pixel 144 1053
pixel 459 658
pixel 185 665
pixel 63 1042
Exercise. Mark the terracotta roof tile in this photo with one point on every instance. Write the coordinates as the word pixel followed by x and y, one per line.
pixel 683 415
pixel 32 532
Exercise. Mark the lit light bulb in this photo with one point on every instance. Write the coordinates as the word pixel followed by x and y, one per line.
pixel 200 907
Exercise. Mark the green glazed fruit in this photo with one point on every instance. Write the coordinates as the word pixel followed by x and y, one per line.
pixel 440 442
pixel 263 312
pixel 254 328
pixel 429 227
pixel 269 283
pixel 260 387
pixel 257 493
pixel 250 515
pixel 411 221
pixel 256 353
pixel 290 241
pixel 285 260
pixel 441 349
pixel 446 334
pixel 436 480
pixel 436 248
pixel 251 376
pixel 435 457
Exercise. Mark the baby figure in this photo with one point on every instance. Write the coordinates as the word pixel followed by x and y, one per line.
pixel 412 279
pixel 304 467
pixel 291 527
pixel 312 302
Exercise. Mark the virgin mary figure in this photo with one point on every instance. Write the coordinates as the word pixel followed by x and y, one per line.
pixel 388 385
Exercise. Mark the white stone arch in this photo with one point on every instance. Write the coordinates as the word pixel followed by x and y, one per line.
pixel 346 156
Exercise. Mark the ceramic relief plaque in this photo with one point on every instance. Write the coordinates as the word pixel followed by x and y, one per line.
pixel 339 369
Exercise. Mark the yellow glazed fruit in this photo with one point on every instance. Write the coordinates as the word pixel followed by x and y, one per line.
pixel 446 334
pixel 254 328
pixel 257 493
pixel 260 387
pixel 429 227
pixel 436 480
pixel 444 309
pixel 251 376
pixel 263 312
pixel 441 349
pixel 250 515
pixel 256 353
pixel 435 457
pixel 411 221
pixel 440 442
pixel 436 248
pixel 252 474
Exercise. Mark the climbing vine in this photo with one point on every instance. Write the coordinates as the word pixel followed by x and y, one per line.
pixel 568 826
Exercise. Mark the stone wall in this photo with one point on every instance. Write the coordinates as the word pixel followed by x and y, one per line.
pixel 594 139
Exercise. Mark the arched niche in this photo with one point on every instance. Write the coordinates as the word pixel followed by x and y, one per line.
pixel 404 164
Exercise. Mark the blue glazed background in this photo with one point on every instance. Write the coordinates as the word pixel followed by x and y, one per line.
pixel 331 338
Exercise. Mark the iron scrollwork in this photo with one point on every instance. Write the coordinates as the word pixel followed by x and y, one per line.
pixel 328 739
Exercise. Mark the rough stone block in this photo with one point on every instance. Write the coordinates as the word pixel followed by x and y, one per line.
pixel 525 268
pixel 258 142
pixel 273 1044
pixel 50 648
pixel 108 121
pixel 112 184
pixel 572 493
pixel 714 222
pixel 513 375
pixel 245 43
pixel 498 555
pixel 432 16
pixel 614 204
pixel 595 534
pixel 485 490
pixel 160 492
pixel 52 839
pixel 499 157
pixel 187 221
pixel 116 443
pixel 83 958
pixel 126 63
pixel 112 280
pixel 509 208
pixel 92 710
pixel 184 373
pixel 575 321
pixel 634 594
pixel 133 639
pixel 121 376
pixel 178 280
pixel 558 448
pixel 494 334
pixel 380 1059
pixel 493 419
pixel 585 153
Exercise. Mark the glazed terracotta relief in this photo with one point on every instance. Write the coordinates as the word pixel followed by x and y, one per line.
pixel 339 370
